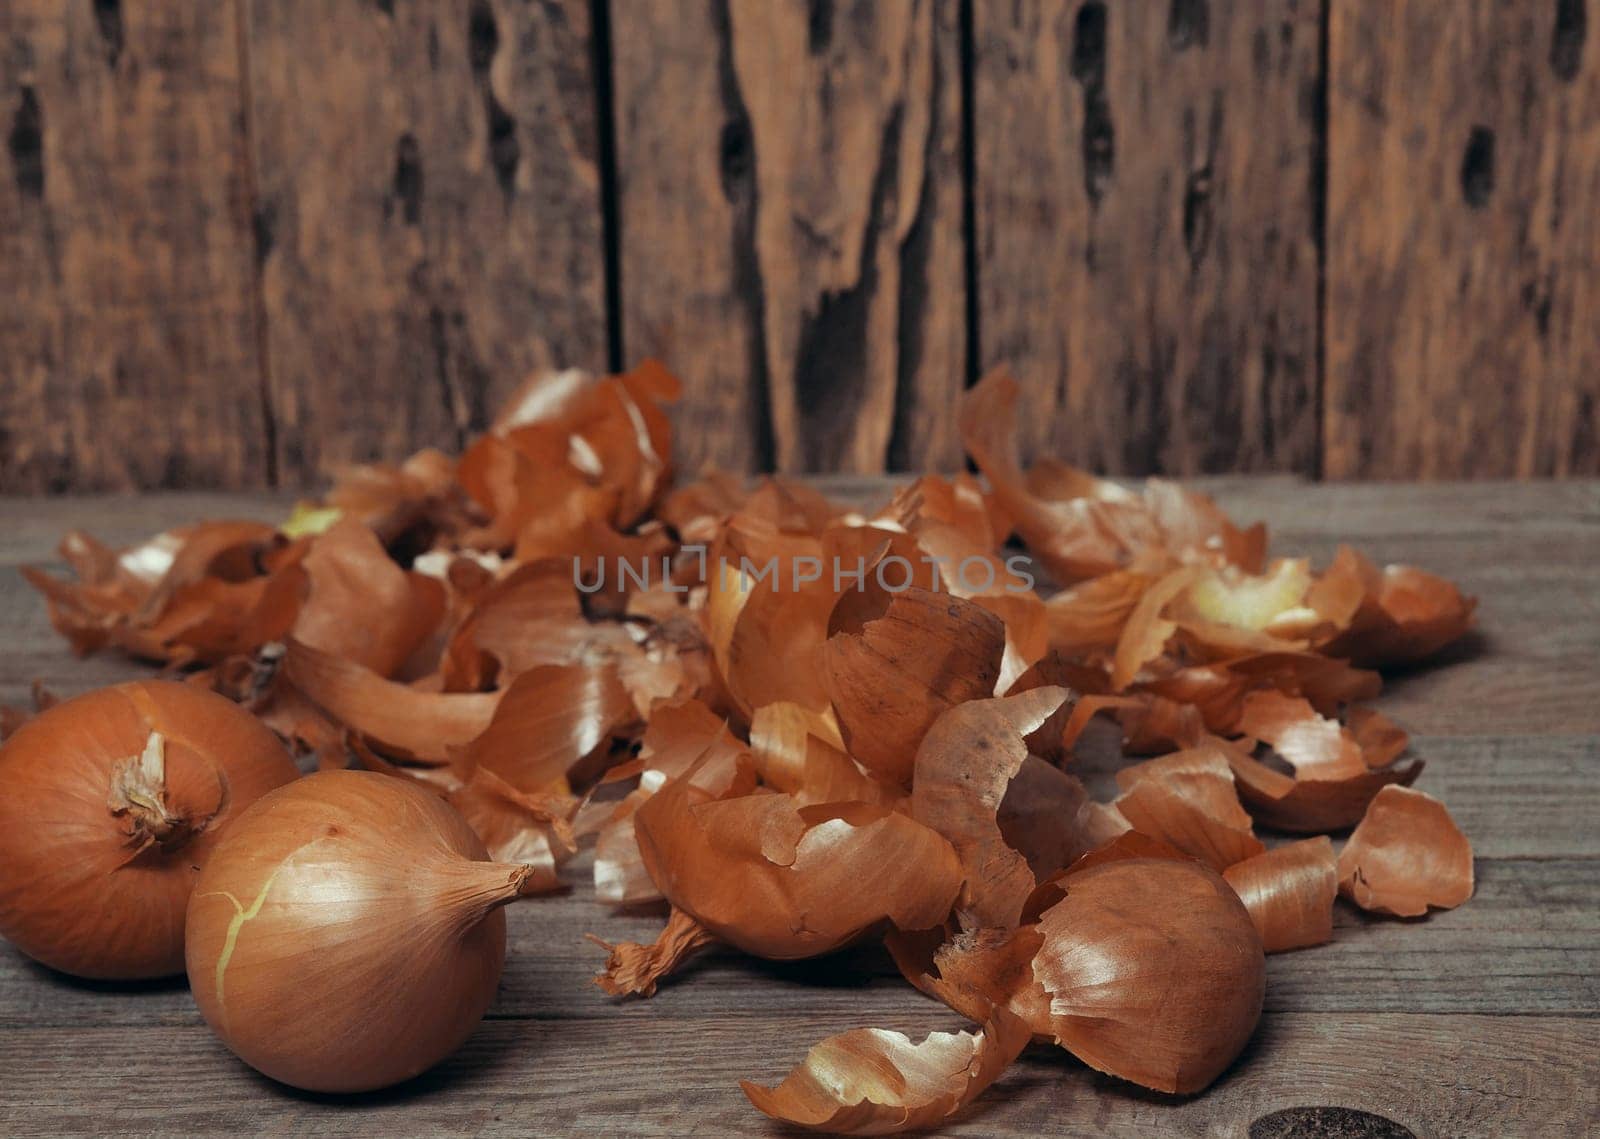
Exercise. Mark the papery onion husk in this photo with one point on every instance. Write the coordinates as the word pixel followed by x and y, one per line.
pixel 425 726
pixel 681 737
pixel 787 882
pixel 1150 724
pixel 1405 615
pixel 1312 806
pixel 1080 526
pixel 1089 617
pixel 798 751
pixel 1289 892
pixel 874 1082
pixel 1144 637
pixel 766 635
pixel 1406 855
pixel 975 971
pixel 964 768
pixel 350 935
pixel 633 969
pixel 1337 769
pixel 1187 799
pixel 407 506
pixel 197 593
pixel 548 720
pixel 1077 531
pixel 530 829
pixel 362 606
pixel 929 653
pixel 1154 970
pixel 112 802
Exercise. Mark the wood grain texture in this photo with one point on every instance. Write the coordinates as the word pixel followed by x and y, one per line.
pixel 1464 262
pixel 790 205
pixel 1145 228
pixel 1444 1077
pixel 686 212
pixel 428 218
pixel 128 354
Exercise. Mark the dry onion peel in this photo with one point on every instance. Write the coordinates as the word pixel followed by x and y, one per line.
pixel 1338 769
pixel 547 721
pixel 1187 799
pixel 632 969
pixel 362 606
pixel 929 653
pixel 426 726
pixel 1289 892
pixel 965 765
pixel 874 1082
pixel 435 631
pixel 976 971
pixel 682 738
pixel 1406 856
pixel 1405 614
pixel 785 882
pixel 1154 971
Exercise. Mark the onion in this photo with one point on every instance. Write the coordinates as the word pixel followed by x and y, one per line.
pixel 348 934
pixel 112 802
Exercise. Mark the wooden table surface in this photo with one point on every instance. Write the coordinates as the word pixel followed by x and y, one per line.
pixel 1477 1022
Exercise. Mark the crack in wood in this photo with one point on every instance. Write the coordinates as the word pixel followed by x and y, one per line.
pixel 108 19
pixel 1088 67
pixel 26 144
pixel 1188 24
pixel 736 166
pixel 1566 39
pixel 1477 167
pixel 407 180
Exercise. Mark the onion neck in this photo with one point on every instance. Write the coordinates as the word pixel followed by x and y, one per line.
pixel 139 797
pixel 471 890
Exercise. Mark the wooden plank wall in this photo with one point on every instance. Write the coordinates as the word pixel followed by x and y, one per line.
pixel 243 241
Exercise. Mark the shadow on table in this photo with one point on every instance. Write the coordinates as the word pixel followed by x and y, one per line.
pixel 494 1045
pixel 57 979
pixel 1475 643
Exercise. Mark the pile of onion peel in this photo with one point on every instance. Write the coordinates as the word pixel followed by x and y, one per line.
pixel 794 763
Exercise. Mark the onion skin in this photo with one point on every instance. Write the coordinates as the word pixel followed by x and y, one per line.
pixel 348 934
pixel 1154 970
pixel 101 894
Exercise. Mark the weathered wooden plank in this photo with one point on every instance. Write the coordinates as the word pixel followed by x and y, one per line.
pixel 1463 270
pixel 429 215
pixel 1146 228
pixel 1438 1076
pixel 128 333
pixel 790 204
pixel 686 213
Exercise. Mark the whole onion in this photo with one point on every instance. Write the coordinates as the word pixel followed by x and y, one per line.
pixel 348 934
pixel 111 803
